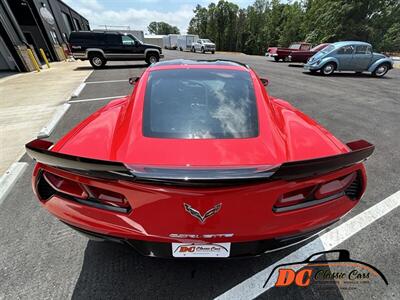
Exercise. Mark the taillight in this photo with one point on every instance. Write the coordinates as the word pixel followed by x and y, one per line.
pixel 294 197
pixel 108 197
pixel 65 186
pixel 50 184
pixel 315 194
pixel 335 186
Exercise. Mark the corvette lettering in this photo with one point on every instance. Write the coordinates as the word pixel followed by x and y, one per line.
pixel 200 236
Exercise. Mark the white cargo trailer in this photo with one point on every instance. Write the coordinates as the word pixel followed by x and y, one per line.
pixel 153 39
pixel 185 41
pixel 170 41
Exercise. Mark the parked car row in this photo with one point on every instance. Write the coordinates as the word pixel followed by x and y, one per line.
pixel 340 56
pixel 101 46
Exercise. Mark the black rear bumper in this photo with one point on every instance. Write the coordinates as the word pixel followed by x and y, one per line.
pixel 238 249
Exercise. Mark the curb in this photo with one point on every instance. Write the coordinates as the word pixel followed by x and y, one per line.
pixel 78 90
pixel 10 177
pixel 48 129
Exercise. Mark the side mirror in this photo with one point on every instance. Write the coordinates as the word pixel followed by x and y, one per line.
pixel 264 81
pixel 133 80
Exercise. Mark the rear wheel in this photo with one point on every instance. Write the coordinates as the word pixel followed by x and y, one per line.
pixel 194 50
pixel 381 70
pixel 202 50
pixel 97 60
pixel 276 58
pixel 212 52
pixel 286 59
pixel 152 58
pixel 328 69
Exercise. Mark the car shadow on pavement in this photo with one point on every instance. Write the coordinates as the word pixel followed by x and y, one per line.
pixel 350 75
pixel 115 271
pixel 295 65
pixel 113 67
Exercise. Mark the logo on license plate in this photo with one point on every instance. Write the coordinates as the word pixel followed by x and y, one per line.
pixel 201 250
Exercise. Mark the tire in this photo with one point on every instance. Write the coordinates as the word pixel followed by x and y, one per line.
pixel 194 50
pixel 381 70
pixel 202 50
pixel 152 58
pixel 328 69
pixel 97 60
pixel 212 52
pixel 180 49
pixel 286 59
pixel 276 58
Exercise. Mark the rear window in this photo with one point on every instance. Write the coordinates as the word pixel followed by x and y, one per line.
pixel 86 38
pixel 200 104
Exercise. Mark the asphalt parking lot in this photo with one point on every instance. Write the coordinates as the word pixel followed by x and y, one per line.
pixel 43 259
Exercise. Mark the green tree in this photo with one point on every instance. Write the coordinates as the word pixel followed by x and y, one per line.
pixel 391 40
pixel 162 28
pixel 290 29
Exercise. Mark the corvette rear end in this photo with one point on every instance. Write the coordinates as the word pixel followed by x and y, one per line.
pixel 199 162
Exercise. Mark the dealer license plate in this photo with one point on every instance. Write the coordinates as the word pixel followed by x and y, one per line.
pixel 201 249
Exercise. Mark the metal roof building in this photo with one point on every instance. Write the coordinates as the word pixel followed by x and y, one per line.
pixel 35 24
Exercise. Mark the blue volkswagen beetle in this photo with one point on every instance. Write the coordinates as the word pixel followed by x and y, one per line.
pixel 349 56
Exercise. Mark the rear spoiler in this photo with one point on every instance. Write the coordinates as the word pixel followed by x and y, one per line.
pixel 40 151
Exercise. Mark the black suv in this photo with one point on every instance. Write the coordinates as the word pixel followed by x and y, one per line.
pixel 100 46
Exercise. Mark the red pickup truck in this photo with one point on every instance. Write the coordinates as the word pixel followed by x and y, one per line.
pixel 283 53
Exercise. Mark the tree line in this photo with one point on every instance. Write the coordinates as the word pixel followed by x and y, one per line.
pixel 162 28
pixel 271 23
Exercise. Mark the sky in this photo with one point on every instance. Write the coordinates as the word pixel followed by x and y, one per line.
pixel 139 13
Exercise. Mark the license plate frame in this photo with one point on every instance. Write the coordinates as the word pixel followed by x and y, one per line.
pixel 201 250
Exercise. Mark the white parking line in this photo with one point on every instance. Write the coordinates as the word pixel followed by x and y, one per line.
pixel 107 81
pixel 253 286
pixel 9 178
pixel 96 99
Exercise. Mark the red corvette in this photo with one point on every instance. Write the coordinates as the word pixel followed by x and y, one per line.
pixel 199 162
